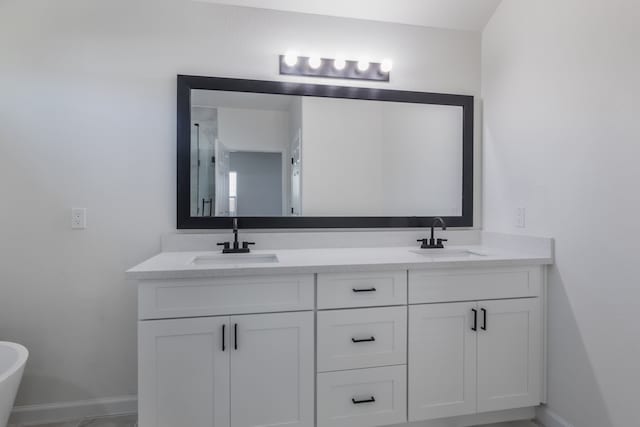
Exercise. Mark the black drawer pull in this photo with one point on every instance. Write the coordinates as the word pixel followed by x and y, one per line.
pixel 224 326
pixel 363 339
pixel 484 319
pixel 235 336
pixel 357 402
pixel 364 290
pixel 475 320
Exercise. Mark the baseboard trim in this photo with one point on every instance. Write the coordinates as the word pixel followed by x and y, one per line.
pixel 518 416
pixel 548 418
pixel 65 411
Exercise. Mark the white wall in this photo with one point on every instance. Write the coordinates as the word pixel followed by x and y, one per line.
pixel 370 158
pixel 341 157
pixel 562 138
pixel 422 159
pixel 253 130
pixel 87 118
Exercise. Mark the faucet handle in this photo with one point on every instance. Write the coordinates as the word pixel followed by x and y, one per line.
pixel 225 244
pixel 439 242
pixel 425 243
pixel 245 245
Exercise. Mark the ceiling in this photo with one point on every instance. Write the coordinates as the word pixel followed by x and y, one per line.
pixel 470 15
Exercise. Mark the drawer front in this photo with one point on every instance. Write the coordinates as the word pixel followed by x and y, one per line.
pixel 363 397
pixel 428 286
pixel 164 299
pixel 342 290
pixel 361 338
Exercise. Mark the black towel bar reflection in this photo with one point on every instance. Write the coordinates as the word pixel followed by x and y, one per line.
pixel 210 203
pixel 357 402
pixel 364 290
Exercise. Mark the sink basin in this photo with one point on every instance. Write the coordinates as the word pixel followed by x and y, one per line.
pixel 447 253
pixel 235 259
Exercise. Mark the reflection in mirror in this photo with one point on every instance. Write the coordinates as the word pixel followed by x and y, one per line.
pixel 262 155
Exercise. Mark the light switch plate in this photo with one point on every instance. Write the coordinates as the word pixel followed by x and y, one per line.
pixel 520 217
pixel 79 218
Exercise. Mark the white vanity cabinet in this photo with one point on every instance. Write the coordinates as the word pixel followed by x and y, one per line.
pixel 342 349
pixel 183 373
pixel 272 370
pixel 362 349
pixel 244 370
pixel 442 361
pixel 509 354
pixel 474 356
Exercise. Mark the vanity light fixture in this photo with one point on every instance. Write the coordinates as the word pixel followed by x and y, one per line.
pixel 386 65
pixel 339 68
pixel 315 62
pixel 339 64
pixel 363 65
pixel 291 59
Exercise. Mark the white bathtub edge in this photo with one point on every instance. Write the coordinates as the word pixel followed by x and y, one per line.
pixel 65 411
pixel 23 355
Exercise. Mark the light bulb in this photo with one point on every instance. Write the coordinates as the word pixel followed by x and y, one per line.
pixel 339 64
pixel 386 65
pixel 314 62
pixel 291 59
pixel 363 65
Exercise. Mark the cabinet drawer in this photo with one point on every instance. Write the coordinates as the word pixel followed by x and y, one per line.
pixel 428 286
pixel 361 338
pixel 341 290
pixel 363 397
pixel 162 299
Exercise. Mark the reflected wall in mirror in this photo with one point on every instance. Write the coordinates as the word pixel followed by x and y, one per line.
pixel 261 150
pixel 276 155
pixel 240 144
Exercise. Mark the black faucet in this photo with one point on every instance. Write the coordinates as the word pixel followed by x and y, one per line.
pixel 433 243
pixel 236 249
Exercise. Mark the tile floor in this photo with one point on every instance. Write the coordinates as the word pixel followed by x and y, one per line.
pixel 119 421
pixel 130 421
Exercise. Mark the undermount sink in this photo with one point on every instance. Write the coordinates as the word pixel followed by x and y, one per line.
pixel 235 259
pixel 449 253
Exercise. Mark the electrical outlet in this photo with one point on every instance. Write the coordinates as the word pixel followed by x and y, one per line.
pixel 78 218
pixel 520 217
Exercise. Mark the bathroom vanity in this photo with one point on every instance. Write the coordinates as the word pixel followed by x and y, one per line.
pixel 380 334
pixel 342 337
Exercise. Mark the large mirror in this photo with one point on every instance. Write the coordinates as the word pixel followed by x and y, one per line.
pixel 296 155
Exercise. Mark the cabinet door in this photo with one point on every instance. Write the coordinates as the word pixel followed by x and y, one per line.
pixel 442 360
pixel 272 372
pixel 509 354
pixel 183 372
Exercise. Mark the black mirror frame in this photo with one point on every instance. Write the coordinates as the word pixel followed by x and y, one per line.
pixel 187 83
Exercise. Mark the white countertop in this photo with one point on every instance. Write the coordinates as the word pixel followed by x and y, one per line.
pixel 174 265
